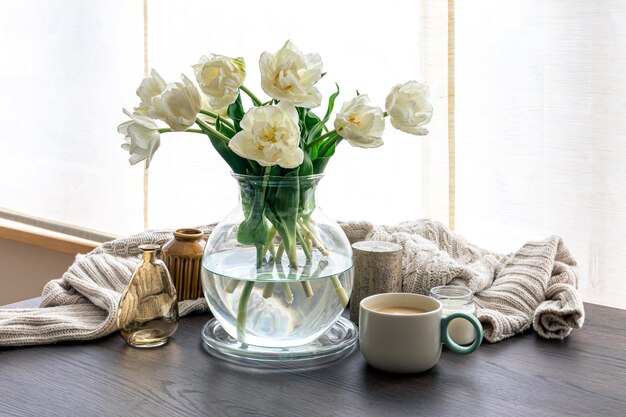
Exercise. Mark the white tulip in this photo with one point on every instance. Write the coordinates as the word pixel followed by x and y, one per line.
pixel 270 135
pixel 150 87
pixel 219 78
pixel 360 124
pixel 408 107
pixel 177 104
pixel 142 137
pixel 288 75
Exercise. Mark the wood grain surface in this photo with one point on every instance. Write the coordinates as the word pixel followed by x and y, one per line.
pixel 584 375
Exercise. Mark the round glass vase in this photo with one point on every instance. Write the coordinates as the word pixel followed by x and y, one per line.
pixel 276 272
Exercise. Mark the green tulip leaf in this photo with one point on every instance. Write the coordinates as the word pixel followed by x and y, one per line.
pixel 331 104
pixel 319 165
pixel 306 168
pixel 221 127
pixel 238 164
pixel 315 126
pixel 236 113
pixel 253 230
pixel 323 154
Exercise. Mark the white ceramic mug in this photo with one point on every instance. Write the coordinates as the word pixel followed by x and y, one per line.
pixel 408 343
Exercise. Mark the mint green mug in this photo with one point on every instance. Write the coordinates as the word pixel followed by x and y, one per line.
pixel 403 333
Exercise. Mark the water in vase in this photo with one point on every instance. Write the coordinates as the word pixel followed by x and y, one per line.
pixel 281 306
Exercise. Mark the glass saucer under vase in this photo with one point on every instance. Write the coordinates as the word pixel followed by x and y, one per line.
pixel 278 280
pixel 338 342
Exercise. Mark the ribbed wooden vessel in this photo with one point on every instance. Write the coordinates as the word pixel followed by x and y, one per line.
pixel 183 257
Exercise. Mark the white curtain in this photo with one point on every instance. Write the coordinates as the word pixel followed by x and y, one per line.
pixel 541 129
pixel 67 67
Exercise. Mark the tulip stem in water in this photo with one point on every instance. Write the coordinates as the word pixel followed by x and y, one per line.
pixel 311 235
pixel 288 293
pixel 232 286
pixel 308 290
pixel 242 311
pixel 267 289
pixel 341 293
pixel 305 247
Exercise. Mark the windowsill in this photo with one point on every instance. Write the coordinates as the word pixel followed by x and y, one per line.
pixel 60 242
pixel 43 238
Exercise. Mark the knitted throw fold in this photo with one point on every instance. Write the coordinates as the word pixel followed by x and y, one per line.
pixel 533 286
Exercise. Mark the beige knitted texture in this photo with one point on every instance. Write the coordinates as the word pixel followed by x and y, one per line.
pixel 534 286
pixel 82 304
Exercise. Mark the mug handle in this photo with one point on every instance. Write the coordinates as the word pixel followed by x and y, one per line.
pixel 447 340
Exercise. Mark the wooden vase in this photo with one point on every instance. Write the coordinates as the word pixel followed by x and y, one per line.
pixel 183 257
pixel 377 269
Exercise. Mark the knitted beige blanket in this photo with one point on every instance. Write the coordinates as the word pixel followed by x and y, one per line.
pixel 533 286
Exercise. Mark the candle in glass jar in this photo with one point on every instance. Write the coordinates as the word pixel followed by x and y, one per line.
pixel 455 298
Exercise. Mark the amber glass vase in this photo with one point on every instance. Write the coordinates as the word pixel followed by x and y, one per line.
pixel 183 257
pixel 147 314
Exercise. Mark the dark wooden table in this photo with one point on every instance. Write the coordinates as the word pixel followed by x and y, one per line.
pixel 584 375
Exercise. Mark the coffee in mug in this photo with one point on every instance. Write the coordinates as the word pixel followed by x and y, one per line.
pixel 403 333
pixel 399 310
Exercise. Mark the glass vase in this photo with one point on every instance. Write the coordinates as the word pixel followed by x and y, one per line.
pixel 277 274
pixel 147 313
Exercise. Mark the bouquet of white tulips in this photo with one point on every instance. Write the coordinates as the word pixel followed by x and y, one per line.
pixel 276 137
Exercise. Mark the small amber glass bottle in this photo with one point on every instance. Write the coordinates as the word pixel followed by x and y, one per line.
pixel 147 314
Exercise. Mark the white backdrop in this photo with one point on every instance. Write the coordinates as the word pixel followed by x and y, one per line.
pixel 67 67
pixel 541 128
